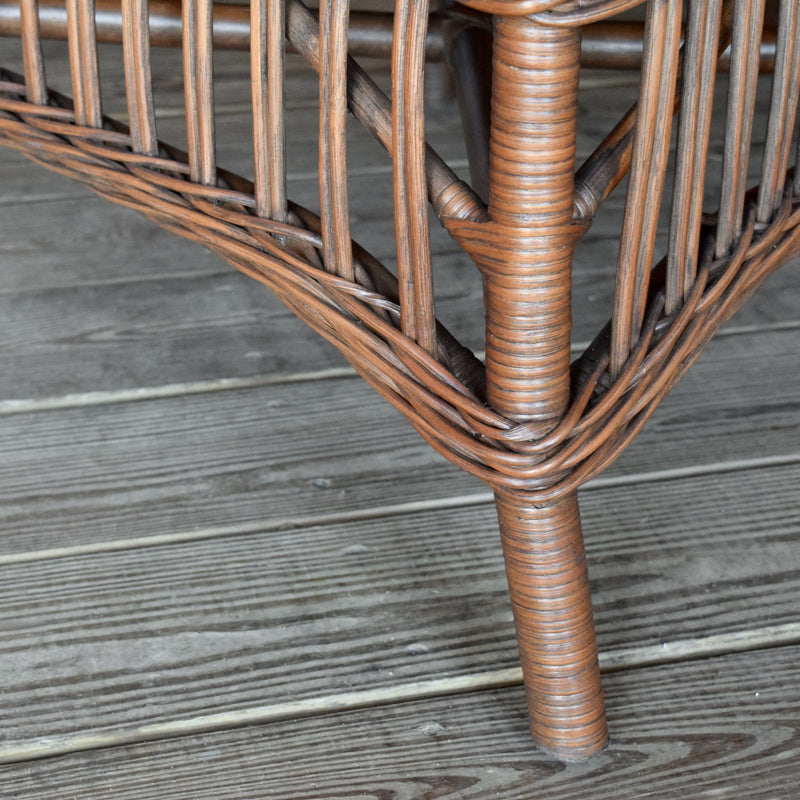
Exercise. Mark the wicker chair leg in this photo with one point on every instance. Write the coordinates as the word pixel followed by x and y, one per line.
pixel 527 270
pixel 546 568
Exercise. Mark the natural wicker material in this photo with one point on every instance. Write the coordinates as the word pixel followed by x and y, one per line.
pixel 530 424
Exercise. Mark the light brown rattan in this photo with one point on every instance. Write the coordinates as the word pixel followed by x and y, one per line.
pixel 530 424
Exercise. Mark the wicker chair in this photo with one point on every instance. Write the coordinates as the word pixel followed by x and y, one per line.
pixel 529 423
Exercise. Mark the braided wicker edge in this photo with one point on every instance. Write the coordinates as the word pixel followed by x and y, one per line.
pixel 360 318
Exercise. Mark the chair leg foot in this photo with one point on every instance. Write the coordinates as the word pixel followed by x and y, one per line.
pixel 549 588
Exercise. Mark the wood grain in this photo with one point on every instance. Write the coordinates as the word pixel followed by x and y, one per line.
pixel 60 231
pixel 49 249
pixel 123 470
pixel 160 633
pixel 722 728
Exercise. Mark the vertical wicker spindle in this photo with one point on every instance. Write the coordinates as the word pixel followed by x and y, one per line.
pixel 412 232
pixel 796 186
pixel 138 83
pixel 32 52
pixel 470 58
pixel 648 167
pixel 526 265
pixel 84 68
pixel 267 37
pixel 198 89
pixel 783 108
pixel 334 207
pixel 699 72
pixel 373 110
pixel 748 20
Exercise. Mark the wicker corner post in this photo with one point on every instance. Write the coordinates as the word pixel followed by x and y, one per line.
pixel 526 260
pixel 530 424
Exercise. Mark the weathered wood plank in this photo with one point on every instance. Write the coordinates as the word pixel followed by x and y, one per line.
pixel 106 287
pixel 87 241
pixel 24 181
pixel 162 633
pixel 277 452
pixel 727 727
pixel 70 240
pixel 152 332
pixel 90 242
pixel 688 649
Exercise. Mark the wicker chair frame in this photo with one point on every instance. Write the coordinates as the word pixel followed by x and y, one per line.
pixel 529 423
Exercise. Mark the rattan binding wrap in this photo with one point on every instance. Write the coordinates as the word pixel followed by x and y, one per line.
pixel 530 424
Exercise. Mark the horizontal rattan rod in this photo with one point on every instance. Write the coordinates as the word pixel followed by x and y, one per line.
pixel 32 52
pixel 618 45
pixel 370 33
pixel 604 45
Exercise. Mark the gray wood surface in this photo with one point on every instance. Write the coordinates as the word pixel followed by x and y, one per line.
pixel 295 450
pixel 723 728
pixel 207 522
pixel 163 633
pixel 172 312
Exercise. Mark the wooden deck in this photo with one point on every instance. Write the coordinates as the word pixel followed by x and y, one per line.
pixel 229 570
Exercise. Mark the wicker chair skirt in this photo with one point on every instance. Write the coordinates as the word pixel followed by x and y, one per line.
pixel 528 422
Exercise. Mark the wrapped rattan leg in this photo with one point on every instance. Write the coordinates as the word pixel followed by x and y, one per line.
pixel 547 580
pixel 526 259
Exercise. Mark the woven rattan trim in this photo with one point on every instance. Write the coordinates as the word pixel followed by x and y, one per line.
pixel 604 414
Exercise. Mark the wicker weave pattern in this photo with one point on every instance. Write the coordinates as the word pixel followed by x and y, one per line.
pixel 529 424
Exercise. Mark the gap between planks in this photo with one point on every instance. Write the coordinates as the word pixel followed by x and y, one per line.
pixel 110 397
pixel 611 661
pixel 380 512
